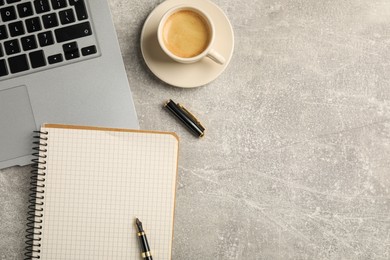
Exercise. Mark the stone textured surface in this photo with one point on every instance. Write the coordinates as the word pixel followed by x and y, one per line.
pixel 296 160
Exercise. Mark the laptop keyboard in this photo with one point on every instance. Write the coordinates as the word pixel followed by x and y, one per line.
pixel 40 34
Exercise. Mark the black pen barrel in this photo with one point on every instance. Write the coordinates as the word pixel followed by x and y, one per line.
pixel 183 117
pixel 145 250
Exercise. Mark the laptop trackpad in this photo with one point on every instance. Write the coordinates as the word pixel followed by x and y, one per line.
pixel 17 123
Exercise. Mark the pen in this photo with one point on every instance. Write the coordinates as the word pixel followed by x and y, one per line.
pixel 143 241
pixel 186 118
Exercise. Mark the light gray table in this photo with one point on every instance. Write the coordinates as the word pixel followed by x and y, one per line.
pixel 296 160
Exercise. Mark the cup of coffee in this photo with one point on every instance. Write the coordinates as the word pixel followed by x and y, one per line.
pixel 186 34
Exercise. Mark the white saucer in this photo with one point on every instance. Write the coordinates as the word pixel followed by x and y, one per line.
pixel 186 75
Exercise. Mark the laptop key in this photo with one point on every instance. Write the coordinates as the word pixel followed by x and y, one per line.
pixel 3 32
pixel 11 47
pixel 8 13
pixel 2 2
pixel 1 51
pixel 12 1
pixel 3 68
pixel 72 32
pixel 37 59
pixel 25 9
pixel 29 43
pixel 16 28
pixel 45 38
pixel 50 20
pixel 55 58
pixel 33 24
pixel 41 6
pixel 18 63
pixel 81 10
pixel 71 50
pixel 67 16
pixel 57 4
pixel 70 46
pixel 88 50
pixel 72 54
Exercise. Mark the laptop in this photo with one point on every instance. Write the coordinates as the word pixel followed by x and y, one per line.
pixel 60 62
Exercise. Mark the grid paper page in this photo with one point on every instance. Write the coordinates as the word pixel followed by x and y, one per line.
pixel 97 183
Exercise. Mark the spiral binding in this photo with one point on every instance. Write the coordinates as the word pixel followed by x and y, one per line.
pixel 35 213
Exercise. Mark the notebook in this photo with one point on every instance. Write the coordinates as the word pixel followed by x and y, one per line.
pixel 90 184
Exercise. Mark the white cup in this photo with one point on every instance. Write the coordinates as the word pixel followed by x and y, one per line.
pixel 181 34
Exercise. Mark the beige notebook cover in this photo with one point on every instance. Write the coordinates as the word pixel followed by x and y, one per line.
pixel 93 183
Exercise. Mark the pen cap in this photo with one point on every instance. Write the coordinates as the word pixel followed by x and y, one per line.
pixel 185 117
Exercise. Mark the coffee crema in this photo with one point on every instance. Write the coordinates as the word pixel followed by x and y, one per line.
pixel 186 34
